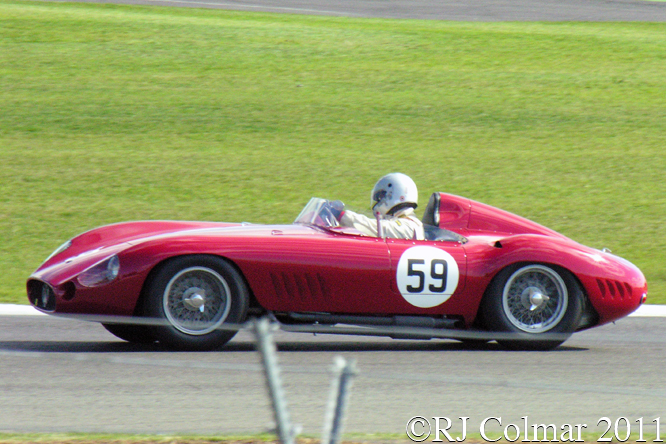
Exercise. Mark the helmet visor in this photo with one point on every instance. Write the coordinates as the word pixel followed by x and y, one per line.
pixel 379 195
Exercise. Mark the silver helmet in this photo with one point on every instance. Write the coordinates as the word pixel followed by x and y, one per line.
pixel 393 193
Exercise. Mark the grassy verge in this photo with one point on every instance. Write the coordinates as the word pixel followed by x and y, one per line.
pixel 82 438
pixel 77 438
pixel 257 439
pixel 111 113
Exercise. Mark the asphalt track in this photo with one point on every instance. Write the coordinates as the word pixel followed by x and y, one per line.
pixel 461 10
pixel 61 375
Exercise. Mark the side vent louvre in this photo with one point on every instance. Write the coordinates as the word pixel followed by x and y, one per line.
pixel 628 288
pixel 611 288
pixel 299 286
pixel 620 288
pixel 614 288
pixel 602 287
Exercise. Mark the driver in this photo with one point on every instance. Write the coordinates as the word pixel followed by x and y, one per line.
pixel 393 200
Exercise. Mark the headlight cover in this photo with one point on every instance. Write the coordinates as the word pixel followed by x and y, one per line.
pixel 101 273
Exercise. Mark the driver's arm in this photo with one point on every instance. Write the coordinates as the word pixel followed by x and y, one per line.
pixel 360 222
pixel 392 227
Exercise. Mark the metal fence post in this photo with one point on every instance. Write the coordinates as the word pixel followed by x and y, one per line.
pixel 266 347
pixel 343 372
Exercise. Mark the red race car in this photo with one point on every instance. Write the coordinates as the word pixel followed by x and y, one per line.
pixel 480 271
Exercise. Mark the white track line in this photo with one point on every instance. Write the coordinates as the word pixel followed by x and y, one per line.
pixel 250 7
pixel 18 310
pixel 650 311
pixel 646 311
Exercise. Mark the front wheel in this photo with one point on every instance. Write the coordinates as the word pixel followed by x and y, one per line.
pixel 541 303
pixel 196 297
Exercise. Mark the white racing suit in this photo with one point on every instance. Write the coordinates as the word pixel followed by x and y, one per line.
pixel 403 225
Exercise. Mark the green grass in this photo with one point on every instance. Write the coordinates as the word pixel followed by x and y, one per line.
pixel 92 438
pixel 354 438
pixel 112 113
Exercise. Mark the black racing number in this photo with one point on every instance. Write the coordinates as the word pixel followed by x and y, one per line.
pixel 438 272
pixel 412 272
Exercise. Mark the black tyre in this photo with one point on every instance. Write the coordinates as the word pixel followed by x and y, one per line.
pixel 540 303
pixel 196 296
pixel 138 334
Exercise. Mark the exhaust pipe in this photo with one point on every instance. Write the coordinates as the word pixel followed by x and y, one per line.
pixel 380 321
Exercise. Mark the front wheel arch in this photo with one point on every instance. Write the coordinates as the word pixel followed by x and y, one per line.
pixel 192 277
pixel 140 309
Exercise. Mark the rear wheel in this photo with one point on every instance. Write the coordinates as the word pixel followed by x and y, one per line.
pixel 196 297
pixel 541 303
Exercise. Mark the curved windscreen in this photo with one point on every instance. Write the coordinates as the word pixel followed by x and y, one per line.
pixel 317 212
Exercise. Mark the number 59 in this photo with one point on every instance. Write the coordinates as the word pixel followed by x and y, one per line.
pixel 437 273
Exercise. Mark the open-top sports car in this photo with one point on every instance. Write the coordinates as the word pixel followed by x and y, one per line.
pixel 480 269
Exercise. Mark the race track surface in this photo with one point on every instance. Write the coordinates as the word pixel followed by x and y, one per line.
pixel 461 10
pixel 63 375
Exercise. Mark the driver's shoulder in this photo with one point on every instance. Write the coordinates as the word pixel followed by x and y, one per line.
pixel 409 218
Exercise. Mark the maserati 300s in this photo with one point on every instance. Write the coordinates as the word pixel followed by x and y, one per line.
pixel 480 269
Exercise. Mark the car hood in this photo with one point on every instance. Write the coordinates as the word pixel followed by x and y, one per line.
pixel 112 238
pixel 117 234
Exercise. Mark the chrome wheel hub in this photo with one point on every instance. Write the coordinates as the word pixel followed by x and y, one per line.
pixel 197 300
pixel 535 298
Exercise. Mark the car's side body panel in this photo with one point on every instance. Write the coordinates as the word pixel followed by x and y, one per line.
pixel 321 272
pixel 458 303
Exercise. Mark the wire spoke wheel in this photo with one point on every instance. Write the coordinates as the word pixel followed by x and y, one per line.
pixel 535 299
pixel 197 300
pixel 540 303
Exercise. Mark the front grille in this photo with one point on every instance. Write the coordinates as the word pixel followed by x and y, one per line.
pixel 41 295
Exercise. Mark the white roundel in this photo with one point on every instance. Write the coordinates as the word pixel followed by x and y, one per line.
pixel 427 276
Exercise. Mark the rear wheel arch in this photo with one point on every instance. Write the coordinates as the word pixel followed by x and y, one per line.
pixel 516 301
